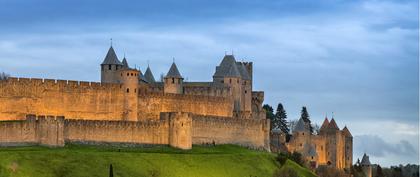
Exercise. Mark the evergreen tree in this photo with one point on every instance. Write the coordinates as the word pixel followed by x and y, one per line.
pixel 280 120
pixel 305 116
pixel 111 172
pixel 379 172
pixel 269 114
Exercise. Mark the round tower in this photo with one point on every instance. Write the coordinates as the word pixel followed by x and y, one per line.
pixel 130 82
pixel 110 67
pixel 173 81
pixel 366 166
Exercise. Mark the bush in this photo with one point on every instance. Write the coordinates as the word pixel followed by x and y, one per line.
pixel 297 157
pixel 282 158
pixel 285 172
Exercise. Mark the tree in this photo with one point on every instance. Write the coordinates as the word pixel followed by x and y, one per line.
pixel 379 172
pixel 111 172
pixel 305 116
pixel 269 114
pixel 280 119
pixel 4 76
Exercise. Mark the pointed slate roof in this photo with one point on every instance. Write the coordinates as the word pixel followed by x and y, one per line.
pixel 148 75
pixel 124 63
pixel 325 124
pixel 233 72
pixel 312 151
pixel 227 67
pixel 365 160
pixel 300 126
pixel 173 72
pixel 346 132
pixel 111 58
pixel 141 77
pixel 243 71
pixel 333 125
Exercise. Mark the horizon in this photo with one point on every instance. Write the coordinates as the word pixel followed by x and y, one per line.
pixel 357 59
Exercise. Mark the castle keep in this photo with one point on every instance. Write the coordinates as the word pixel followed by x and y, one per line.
pixel 128 106
pixel 331 146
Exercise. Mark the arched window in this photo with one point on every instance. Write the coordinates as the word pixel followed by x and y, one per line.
pixel 128 90
pixel 109 67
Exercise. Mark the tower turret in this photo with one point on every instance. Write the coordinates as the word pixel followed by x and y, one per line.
pixel 110 67
pixel 129 79
pixel 173 80
pixel 148 75
pixel 366 166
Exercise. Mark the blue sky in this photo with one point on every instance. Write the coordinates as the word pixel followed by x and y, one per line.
pixel 358 59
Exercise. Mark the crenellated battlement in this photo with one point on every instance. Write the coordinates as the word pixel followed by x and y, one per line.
pixel 59 84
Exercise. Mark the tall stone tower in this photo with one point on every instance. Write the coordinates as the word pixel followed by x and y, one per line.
pixel 348 147
pixel 110 67
pixel 173 81
pixel 366 166
pixel 130 83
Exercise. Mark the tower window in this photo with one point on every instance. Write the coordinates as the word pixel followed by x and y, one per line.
pixel 237 81
pixel 135 90
pixel 109 67
pixel 131 74
pixel 173 80
pixel 222 81
pixel 300 145
pixel 245 91
pixel 128 90
pixel 230 81
pixel 128 74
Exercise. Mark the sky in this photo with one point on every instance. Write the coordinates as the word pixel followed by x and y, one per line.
pixel 358 59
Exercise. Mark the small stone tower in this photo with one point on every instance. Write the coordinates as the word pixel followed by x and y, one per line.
pixel 301 137
pixel 348 151
pixel 110 67
pixel 130 82
pixel 366 166
pixel 173 81
pixel 180 130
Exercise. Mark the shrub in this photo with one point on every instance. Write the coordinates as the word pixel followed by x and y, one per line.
pixel 282 158
pixel 285 172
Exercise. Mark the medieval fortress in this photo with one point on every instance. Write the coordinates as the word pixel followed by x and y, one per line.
pixel 130 107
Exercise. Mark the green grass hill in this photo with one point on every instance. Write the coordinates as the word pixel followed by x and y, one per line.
pixel 91 161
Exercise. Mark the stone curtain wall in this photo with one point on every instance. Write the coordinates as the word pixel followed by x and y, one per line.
pixel 222 130
pixel 176 129
pixel 84 100
pixel 42 130
pixel 152 104
pixel 98 132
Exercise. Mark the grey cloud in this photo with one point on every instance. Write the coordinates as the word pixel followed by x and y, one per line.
pixel 378 147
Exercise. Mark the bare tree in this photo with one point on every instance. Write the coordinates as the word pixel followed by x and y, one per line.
pixel 4 76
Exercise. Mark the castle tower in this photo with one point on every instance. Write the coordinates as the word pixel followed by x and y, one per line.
pixel 130 82
pixel 300 137
pixel 366 166
pixel 333 137
pixel 227 74
pixel 246 87
pixel 173 81
pixel 110 67
pixel 348 143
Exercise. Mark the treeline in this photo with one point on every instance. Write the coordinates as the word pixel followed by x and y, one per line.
pixel 280 122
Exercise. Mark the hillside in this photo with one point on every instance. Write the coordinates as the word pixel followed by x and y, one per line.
pixel 78 161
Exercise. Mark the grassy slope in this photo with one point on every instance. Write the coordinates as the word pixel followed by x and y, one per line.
pixel 223 160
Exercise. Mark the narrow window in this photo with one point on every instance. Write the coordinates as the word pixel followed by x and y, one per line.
pixel 300 144
pixel 303 133
pixel 135 90
pixel 131 74
pixel 128 74
pixel 237 81
pixel 128 90
pixel 173 80
pixel 109 67
pixel 230 81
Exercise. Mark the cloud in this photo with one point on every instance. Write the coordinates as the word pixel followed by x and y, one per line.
pixel 356 58
pixel 377 147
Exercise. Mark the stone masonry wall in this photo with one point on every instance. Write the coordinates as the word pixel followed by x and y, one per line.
pixel 84 100
pixel 221 130
pixel 152 104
